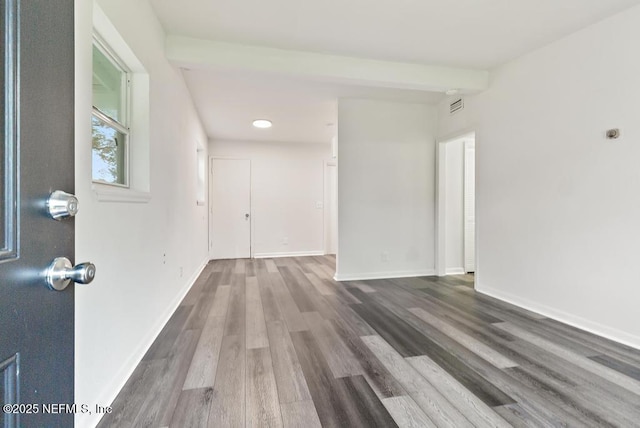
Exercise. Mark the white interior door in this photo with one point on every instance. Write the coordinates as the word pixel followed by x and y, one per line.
pixel 469 206
pixel 230 209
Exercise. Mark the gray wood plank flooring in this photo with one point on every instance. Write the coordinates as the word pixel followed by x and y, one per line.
pixel 278 342
pixel 263 407
pixel 300 414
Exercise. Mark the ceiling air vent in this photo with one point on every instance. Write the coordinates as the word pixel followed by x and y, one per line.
pixel 457 105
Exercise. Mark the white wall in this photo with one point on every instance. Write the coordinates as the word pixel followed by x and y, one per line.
pixel 331 206
pixel 454 219
pixel 557 202
pixel 386 190
pixel 287 182
pixel 139 248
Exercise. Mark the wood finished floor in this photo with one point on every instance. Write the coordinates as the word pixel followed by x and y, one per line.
pixel 277 342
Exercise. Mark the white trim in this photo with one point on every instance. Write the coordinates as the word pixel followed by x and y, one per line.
pixel 441 200
pixel 117 45
pixel 210 206
pixel 252 224
pixel 107 193
pixel 455 271
pixel 469 209
pixel 292 254
pixel 564 317
pixel 458 135
pixel 112 390
pixel 441 208
pixel 383 275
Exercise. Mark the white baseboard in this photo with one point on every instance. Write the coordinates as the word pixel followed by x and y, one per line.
pixel 121 378
pixel 291 254
pixel 564 317
pixel 383 275
pixel 455 271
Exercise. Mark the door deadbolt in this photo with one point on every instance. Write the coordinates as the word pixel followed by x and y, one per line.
pixel 61 205
pixel 61 273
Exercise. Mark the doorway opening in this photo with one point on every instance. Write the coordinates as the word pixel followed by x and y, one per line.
pixel 456 224
pixel 331 208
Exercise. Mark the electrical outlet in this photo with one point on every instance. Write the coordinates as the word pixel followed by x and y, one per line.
pixel 285 241
pixel 384 256
pixel 181 271
pixel 319 205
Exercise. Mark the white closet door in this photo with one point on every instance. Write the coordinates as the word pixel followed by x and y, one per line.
pixel 231 209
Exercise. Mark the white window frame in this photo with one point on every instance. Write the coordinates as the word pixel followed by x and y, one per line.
pixel 122 126
pixel 139 144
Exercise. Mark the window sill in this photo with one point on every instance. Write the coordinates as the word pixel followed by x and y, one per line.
pixel 106 193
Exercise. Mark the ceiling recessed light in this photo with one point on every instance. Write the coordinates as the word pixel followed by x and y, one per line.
pixel 451 91
pixel 262 123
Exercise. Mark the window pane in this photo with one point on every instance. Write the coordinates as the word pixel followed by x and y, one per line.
pixel 108 87
pixel 108 153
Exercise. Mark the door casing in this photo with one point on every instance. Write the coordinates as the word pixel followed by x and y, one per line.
pixel 441 198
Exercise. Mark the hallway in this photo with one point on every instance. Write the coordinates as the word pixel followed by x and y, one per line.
pixel 277 342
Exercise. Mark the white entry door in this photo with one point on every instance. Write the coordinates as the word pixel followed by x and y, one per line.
pixel 231 209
